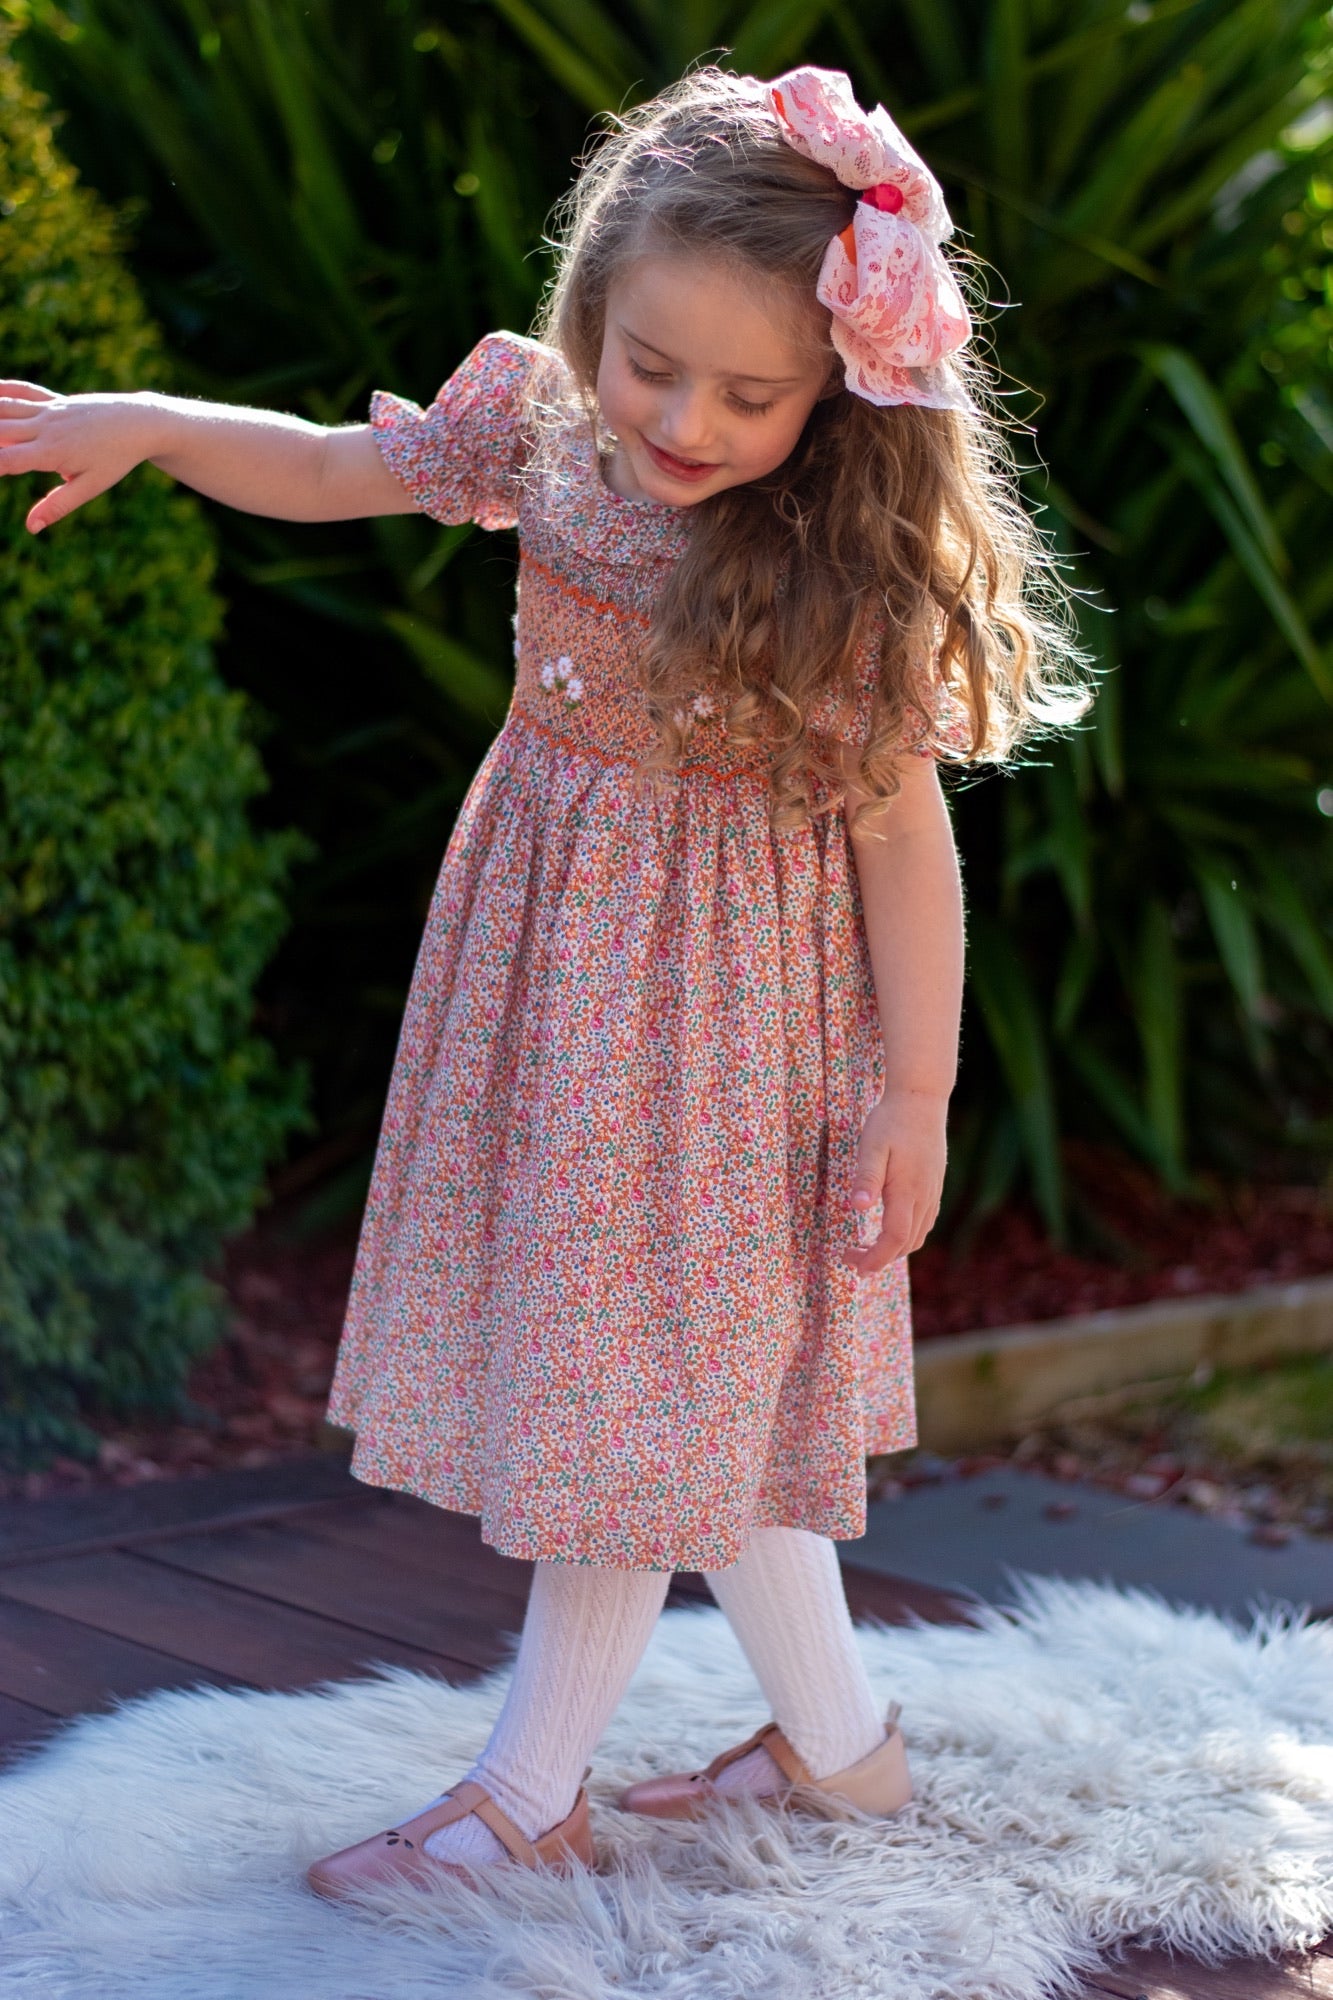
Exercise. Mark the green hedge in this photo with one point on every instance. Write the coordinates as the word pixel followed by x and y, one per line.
pixel 137 905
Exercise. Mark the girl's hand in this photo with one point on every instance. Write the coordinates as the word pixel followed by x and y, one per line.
pixel 263 461
pixel 900 1158
pixel 91 441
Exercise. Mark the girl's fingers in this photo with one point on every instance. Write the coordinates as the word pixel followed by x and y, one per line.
pixel 15 430
pixel 24 457
pixel 873 1256
pixel 904 1229
pixel 26 392
pixel 62 500
pixel 899 1218
pixel 929 1217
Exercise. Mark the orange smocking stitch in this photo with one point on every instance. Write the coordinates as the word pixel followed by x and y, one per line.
pixel 579 746
pixel 583 597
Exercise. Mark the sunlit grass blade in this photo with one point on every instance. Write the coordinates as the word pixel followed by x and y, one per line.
pixel 469 681
pixel 1156 996
pixel 1110 189
pixel 326 213
pixel 1059 275
pixel 1254 560
pixel 1006 102
pixel 1117 1100
pixel 1076 976
pixel 1286 911
pixel 1017 1033
pixel 1071 836
pixel 937 31
pixel 1237 940
pixel 598 83
pixel 1208 419
pixel 1161 223
pixel 772 34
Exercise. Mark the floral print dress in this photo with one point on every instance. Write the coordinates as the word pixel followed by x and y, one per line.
pixel 597 1298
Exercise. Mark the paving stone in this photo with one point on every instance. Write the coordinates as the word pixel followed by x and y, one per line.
pixel 967 1534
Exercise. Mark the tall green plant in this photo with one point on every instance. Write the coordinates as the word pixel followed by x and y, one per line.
pixel 1150 954
pixel 138 1110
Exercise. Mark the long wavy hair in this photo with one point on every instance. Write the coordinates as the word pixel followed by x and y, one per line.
pixel 900 520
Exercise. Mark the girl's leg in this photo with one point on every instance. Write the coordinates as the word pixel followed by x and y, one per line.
pixel 785 1602
pixel 584 1634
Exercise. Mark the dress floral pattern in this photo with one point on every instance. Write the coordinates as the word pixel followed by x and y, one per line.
pixel 597 1299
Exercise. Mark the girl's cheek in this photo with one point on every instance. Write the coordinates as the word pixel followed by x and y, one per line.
pixel 623 401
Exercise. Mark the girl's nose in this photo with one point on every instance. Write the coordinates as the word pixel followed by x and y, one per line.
pixel 685 425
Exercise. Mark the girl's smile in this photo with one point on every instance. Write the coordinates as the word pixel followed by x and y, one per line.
pixel 677 468
pixel 707 377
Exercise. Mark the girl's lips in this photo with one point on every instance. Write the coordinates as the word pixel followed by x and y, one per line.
pixel 677 468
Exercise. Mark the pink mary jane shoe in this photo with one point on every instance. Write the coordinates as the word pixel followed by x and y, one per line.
pixel 398 1854
pixel 879 1784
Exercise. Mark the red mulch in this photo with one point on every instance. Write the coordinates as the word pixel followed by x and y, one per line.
pixel 1231 1242
pixel 261 1394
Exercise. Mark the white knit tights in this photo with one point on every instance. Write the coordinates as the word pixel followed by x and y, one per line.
pixel 584 1634
pixel 786 1604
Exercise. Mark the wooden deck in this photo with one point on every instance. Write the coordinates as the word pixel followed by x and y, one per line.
pixel 296 1573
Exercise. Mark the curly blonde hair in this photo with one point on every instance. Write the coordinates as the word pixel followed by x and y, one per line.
pixel 905 516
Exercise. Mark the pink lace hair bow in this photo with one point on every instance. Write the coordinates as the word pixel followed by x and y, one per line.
pixel 897 311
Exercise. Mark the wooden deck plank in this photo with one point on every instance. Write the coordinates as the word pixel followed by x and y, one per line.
pixel 871 1594
pixel 435 1543
pixel 1158 1976
pixel 423 1541
pixel 214 1625
pixel 404 1529
pixel 72 1522
pixel 896 1600
pixel 64 1668
pixel 21 1723
pixel 277 1560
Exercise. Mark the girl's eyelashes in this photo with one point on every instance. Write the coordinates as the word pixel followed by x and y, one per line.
pixel 642 374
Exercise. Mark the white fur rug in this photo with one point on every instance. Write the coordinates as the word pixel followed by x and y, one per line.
pixel 1094 1769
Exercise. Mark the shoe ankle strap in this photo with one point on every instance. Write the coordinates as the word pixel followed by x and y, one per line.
pixel 769 1738
pixel 470 1797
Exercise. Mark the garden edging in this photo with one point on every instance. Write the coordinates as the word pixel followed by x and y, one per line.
pixel 975 1389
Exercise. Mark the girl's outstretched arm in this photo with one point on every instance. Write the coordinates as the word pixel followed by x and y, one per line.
pixel 913 903
pixel 258 460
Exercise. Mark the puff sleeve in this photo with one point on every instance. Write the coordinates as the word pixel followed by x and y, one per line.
pixel 462 458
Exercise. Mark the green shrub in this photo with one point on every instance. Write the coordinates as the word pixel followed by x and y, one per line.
pixel 137 907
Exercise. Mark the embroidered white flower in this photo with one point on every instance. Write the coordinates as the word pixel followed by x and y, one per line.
pixel 559 676
pixel 701 707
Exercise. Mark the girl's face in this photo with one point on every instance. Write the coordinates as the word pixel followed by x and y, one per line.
pixel 706 378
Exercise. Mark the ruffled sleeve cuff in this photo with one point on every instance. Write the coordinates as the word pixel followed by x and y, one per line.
pixel 462 457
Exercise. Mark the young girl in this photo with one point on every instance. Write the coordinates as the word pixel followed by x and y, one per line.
pixel 686 1012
